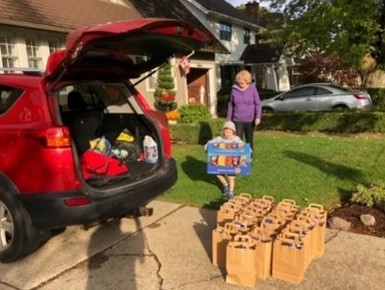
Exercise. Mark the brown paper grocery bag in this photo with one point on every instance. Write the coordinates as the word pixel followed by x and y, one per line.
pixel 253 215
pixel 227 212
pixel 221 236
pixel 264 242
pixel 288 205
pixel 288 208
pixel 273 222
pixel 268 198
pixel 289 258
pixel 260 208
pixel 318 216
pixel 305 232
pixel 242 199
pixel 261 204
pixel 241 261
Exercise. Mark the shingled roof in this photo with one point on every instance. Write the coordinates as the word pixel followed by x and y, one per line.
pixel 62 16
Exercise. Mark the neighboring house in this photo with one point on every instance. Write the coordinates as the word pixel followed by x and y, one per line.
pixel 269 65
pixel 232 28
pixel 237 31
pixel 271 68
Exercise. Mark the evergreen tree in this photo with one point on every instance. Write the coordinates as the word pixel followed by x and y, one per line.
pixel 164 92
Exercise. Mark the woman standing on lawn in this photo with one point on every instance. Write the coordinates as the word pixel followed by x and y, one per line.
pixel 245 107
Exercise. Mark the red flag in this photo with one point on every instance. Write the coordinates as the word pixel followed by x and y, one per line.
pixel 185 65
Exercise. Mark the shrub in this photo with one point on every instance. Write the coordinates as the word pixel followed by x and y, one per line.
pixel 371 196
pixel 336 122
pixel 194 113
pixel 198 132
pixel 164 93
pixel 378 98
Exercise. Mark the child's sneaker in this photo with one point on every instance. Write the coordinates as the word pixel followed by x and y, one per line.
pixel 230 195
pixel 225 189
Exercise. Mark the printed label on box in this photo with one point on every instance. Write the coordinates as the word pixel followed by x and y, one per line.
pixel 228 158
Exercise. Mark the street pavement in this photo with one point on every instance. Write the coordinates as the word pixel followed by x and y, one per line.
pixel 172 250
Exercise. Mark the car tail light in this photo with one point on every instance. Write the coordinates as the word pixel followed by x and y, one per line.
pixel 360 96
pixel 77 201
pixel 56 137
pixel 166 141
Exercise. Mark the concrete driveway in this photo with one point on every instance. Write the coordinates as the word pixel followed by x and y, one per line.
pixel 172 250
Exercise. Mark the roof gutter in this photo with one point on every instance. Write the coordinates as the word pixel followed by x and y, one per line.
pixel 23 24
pixel 232 19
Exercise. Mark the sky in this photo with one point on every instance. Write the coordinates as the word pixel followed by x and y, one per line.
pixel 236 3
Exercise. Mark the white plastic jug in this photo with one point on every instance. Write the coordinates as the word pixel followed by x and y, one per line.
pixel 150 150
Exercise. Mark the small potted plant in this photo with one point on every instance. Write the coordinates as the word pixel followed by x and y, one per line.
pixel 172 116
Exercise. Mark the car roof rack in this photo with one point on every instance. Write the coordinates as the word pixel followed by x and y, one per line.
pixel 23 70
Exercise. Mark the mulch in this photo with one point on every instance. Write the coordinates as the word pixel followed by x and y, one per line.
pixel 351 212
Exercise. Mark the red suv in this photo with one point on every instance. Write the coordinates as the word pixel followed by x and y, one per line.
pixel 79 145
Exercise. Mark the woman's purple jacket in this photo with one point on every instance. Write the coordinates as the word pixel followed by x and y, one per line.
pixel 244 106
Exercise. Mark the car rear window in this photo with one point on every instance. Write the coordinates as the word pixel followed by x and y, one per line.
pixel 8 96
pixel 341 88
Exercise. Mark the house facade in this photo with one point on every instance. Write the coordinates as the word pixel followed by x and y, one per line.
pixel 30 30
pixel 237 31
pixel 232 28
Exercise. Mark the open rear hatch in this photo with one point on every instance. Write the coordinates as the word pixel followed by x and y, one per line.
pixel 108 121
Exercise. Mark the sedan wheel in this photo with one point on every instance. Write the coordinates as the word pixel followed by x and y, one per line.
pixel 267 110
pixel 341 108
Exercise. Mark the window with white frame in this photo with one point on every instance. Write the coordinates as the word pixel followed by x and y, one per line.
pixel 33 54
pixel 7 51
pixel 53 46
pixel 246 36
pixel 225 31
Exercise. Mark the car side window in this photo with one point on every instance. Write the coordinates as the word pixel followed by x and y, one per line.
pixel 8 96
pixel 322 91
pixel 300 93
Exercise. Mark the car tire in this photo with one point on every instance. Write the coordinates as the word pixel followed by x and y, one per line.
pixel 18 237
pixel 267 110
pixel 340 108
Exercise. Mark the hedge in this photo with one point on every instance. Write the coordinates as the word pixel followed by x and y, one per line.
pixel 328 122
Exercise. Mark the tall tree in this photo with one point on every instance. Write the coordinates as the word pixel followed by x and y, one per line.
pixel 349 28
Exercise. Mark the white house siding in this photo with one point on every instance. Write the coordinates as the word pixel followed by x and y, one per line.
pixel 212 77
pixel 235 46
pixel 41 38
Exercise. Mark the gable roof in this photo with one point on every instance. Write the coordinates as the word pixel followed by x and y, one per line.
pixel 260 53
pixel 172 9
pixel 65 16
pixel 223 8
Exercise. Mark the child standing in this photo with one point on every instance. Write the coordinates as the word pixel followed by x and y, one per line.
pixel 228 136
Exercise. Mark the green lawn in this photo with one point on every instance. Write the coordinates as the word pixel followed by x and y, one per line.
pixel 308 168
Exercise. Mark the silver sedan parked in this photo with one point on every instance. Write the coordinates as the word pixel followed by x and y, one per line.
pixel 318 97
